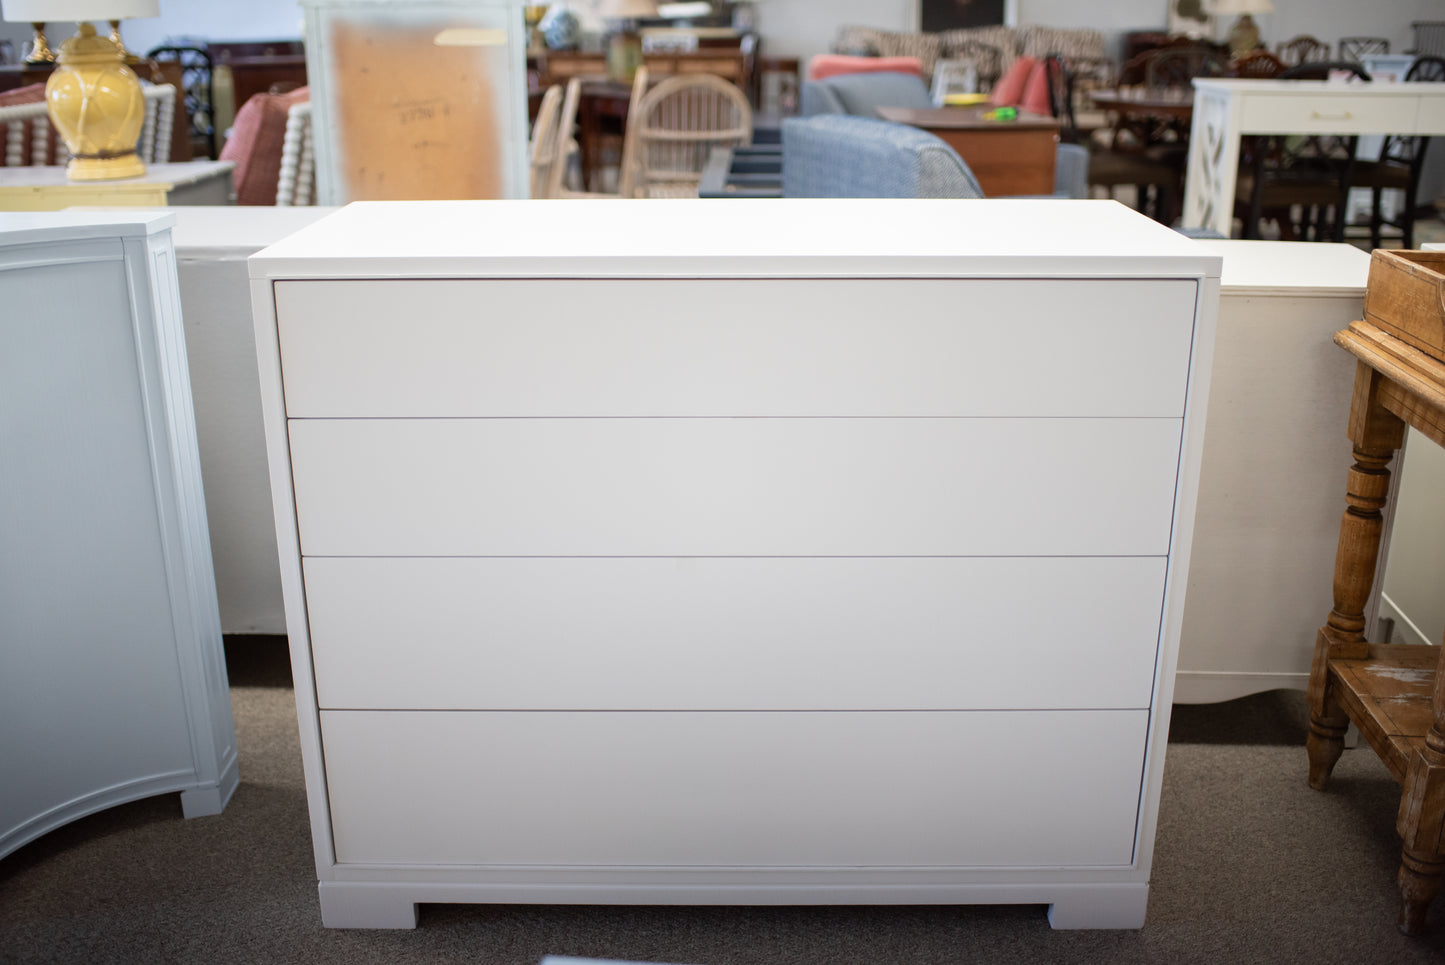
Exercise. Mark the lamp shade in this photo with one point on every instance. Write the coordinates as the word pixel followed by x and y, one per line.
pixel 1221 7
pixel 626 9
pixel 57 11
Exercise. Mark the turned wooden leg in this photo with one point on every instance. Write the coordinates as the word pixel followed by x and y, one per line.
pixel 1343 634
pixel 1419 883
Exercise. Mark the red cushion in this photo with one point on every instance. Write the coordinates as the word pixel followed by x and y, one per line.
pixel 828 65
pixel 1010 87
pixel 255 144
pixel 32 94
pixel 1035 97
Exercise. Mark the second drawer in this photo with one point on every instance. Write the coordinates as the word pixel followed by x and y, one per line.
pixel 735 487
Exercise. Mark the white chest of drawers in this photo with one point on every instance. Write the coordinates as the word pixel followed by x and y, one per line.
pixel 796 552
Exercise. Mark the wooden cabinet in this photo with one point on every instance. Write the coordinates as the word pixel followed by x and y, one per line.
pixel 722 555
pixel 112 677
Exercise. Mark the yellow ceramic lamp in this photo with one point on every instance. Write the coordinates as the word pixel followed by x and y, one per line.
pixel 94 99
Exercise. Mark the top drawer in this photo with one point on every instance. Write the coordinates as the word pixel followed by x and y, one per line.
pixel 1335 114
pixel 721 347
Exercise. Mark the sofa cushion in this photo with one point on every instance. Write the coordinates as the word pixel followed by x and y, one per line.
pixel 831 65
pixel 863 94
pixel 1009 91
pixel 838 156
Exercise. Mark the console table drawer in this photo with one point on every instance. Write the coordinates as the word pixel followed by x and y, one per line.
pixel 734 487
pixel 1288 114
pixel 732 634
pixel 923 790
pixel 568 347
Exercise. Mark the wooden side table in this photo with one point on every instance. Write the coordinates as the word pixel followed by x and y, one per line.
pixel 1007 157
pixel 1395 694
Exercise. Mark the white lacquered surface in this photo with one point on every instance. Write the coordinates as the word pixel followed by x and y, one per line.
pixel 817 237
pixel 758 791
pixel 657 634
pixel 1271 488
pixel 770 602
pixel 492 348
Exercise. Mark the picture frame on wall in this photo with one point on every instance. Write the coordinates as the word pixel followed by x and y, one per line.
pixel 1190 18
pixel 936 15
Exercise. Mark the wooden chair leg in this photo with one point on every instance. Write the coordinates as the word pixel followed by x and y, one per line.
pixel 1419 878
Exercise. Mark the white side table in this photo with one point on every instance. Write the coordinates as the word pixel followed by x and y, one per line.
pixel 48 189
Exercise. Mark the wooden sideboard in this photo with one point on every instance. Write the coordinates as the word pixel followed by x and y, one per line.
pixel 782 573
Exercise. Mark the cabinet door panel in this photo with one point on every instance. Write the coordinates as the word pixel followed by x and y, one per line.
pixel 577 347
pixel 734 634
pixel 735 487
pixel 978 789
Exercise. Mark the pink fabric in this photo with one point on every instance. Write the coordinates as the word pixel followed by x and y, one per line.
pixel 829 65
pixel 255 144
pixel 1035 97
pixel 1009 90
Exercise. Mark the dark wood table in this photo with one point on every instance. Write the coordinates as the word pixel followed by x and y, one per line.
pixel 1159 104
pixel 1007 157
pixel 601 114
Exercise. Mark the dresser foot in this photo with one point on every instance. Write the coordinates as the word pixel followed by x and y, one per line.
pixel 1101 906
pixel 366 905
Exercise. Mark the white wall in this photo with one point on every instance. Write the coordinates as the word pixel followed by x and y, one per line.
pixel 209 19
pixel 805 27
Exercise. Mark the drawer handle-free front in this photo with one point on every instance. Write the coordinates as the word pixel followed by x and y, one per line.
pixel 1342 116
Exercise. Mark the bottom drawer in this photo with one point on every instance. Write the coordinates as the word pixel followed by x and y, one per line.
pixel 761 789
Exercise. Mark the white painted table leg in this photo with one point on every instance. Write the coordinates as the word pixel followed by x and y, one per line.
pixel 1213 165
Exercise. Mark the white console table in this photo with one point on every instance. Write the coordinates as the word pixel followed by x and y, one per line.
pixel 1227 109
pixel 801 552
pixel 112 676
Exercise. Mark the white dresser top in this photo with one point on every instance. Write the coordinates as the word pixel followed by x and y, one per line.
pixel 731 238
pixel 36 227
pixel 1294 268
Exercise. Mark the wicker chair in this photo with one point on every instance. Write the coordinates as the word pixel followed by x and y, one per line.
pixel 678 123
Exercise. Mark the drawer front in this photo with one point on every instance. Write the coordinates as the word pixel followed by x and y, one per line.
pixel 734 634
pixel 735 348
pixel 1335 114
pixel 735 487
pixel 978 789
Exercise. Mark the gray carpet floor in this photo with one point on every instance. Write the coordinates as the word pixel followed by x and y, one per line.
pixel 1250 866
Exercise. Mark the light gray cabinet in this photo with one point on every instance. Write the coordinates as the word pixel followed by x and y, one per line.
pixel 112 676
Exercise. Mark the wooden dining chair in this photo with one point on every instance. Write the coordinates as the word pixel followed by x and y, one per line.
pixel 1356 48
pixel 678 123
pixel 1111 164
pixel 561 171
pixel 1258 64
pixel 1303 49
pixel 296 182
pixel 1398 168
pixel 543 152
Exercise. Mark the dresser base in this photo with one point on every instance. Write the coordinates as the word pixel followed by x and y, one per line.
pixel 372 904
